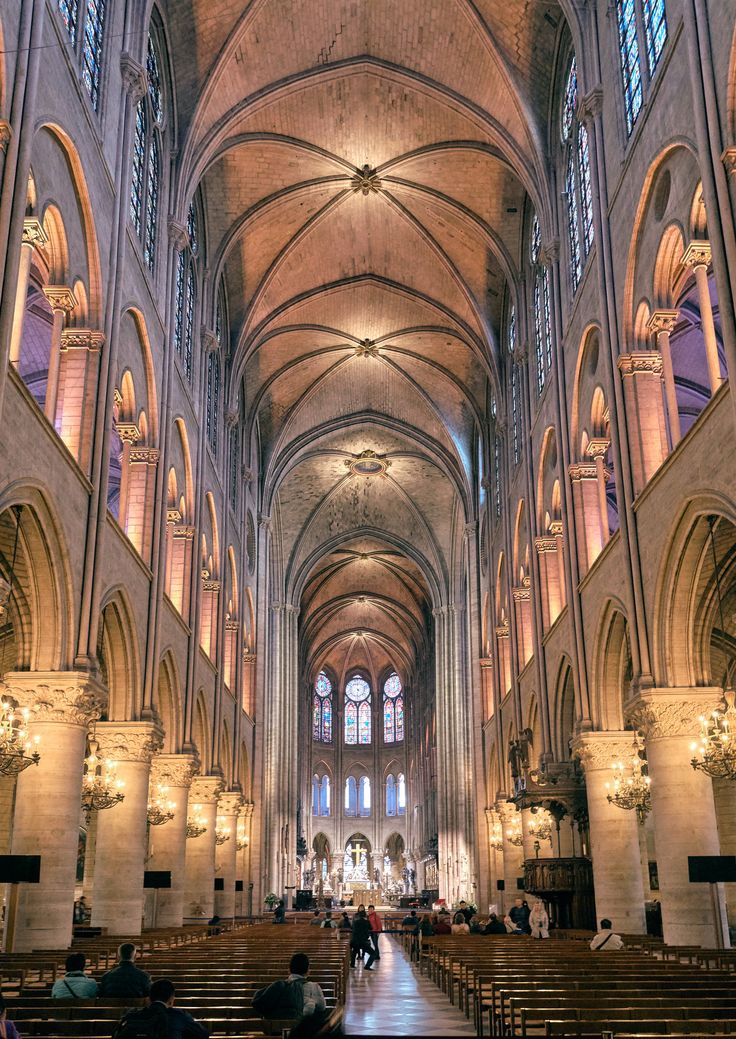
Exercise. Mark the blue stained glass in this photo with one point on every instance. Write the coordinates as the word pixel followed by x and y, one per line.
pixel 547 317
pixel 193 229
pixel 351 723
pixel 570 101
pixel 323 686
pixel 586 192
pixel 655 25
pixel 392 685
pixel 573 232
pixel 179 311
pixel 389 721
pixel 189 324
pixel 364 722
pixel 538 334
pixel 357 689
pixel 630 61
pixel 497 473
pixel 399 719
pixel 94 27
pixel 153 70
pixel 139 163
pixel 515 411
pixel 149 246
pixel 213 399
pixel 327 720
pixel 316 719
pixel 70 13
pixel 323 698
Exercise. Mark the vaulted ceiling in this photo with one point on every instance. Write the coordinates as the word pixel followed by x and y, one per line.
pixel 364 168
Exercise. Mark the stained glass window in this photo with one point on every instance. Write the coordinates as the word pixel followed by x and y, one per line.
pixel 322 710
pixel 193 229
pixel 213 398
pixel 153 74
pixel 70 13
pixel 154 170
pixel 538 334
pixel 147 162
pixel 573 231
pixel 393 704
pixel 512 329
pixel 189 323
pixel 139 168
pixel 401 795
pixel 234 463
pixel 570 101
pixel 179 306
pixel 655 26
pixel 630 61
pixel 586 192
pixel 546 317
pixel 515 412
pixel 357 711
pixel 390 795
pixel 497 472
pixel 364 723
pixel 94 28
pixel 535 240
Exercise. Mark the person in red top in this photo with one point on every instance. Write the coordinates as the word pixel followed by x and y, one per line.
pixel 443 925
pixel 376 927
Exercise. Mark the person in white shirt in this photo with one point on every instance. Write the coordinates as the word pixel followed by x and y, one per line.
pixel 539 920
pixel 314 998
pixel 606 938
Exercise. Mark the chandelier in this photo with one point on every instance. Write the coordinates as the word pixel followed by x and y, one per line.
pixel 496 841
pixel 241 843
pixel 100 787
pixel 515 835
pixel 222 832
pixel 540 826
pixel 715 753
pixel 160 809
pixel 17 749
pixel 196 825
pixel 631 785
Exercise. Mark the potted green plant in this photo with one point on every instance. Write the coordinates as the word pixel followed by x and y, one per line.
pixel 271 900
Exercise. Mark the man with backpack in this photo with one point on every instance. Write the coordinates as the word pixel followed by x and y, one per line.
pixel 160 1019
pixel 125 981
pixel 296 997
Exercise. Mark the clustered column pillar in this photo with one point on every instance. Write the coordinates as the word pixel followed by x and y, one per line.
pixel 683 810
pixel 120 853
pixel 167 844
pixel 200 852
pixel 512 855
pixel 614 837
pixel 48 798
pixel 226 853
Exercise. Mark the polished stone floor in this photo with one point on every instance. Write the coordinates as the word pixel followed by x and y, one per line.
pixel 394 999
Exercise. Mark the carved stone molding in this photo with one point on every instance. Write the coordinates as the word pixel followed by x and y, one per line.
pixel 209 341
pixel 184 532
pixel 231 624
pixel 507 812
pixel 232 417
pixel 486 663
pixel 60 297
pixel 229 803
pixel 662 321
pixel 148 455
pixel 173 516
pixel 128 432
pixel 366 180
pixel 265 522
pixel 6 133
pixel 697 254
pixel 597 751
pixel 555 528
pixel 665 713
pixel 82 339
pixel 211 586
pixel 249 658
pixel 582 471
pixel 521 593
pixel 246 810
pixel 205 790
pixel 598 447
pixel 175 770
pixel 33 232
pixel 129 741
pixel 367 349
pixel 649 361
pixel 63 697
pixel 544 545
pixel 178 235
pixel 591 105
pixel 134 77
pixel 502 631
pixel 729 161
pixel 549 254
pixel 470 531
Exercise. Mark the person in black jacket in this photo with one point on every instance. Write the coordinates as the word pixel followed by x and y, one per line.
pixel 360 940
pixel 126 980
pixel 181 1025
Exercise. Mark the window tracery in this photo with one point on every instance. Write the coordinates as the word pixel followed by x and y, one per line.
pixel 85 26
pixel 393 710
pixel 146 175
pixel 357 712
pixel 322 709
pixel 578 189
pixel 186 297
pixel 628 45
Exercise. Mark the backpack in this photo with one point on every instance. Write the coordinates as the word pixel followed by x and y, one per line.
pixel 279 999
pixel 143 1023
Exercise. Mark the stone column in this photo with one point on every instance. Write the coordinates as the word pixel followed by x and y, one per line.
pixel 698 256
pixel 33 235
pixel 661 324
pixel 200 851
pixel 584 480
pixel 614 836
pixel 512 855
pixel 597 450
pixel 725 803
pixel 48 798
pixel 641 374
pixel 62 301
pixel 80 351
pixel 486 678
pixel 555 529
pixel 683 811
pixel 242 862
pixel 249 684
pixel 117 891
pixel 226 854
pixel 167 843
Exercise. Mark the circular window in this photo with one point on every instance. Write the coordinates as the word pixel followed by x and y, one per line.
pixel 357 690
pixel 392 686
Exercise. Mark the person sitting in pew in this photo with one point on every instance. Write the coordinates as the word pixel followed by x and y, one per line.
pixel 606 938
pixel 160 1018
pixel 7 1028
pixel 443 925
pixel 296 997
pixel 125 981
pixel 75 984
pixel 345 923
pixel 316 920
pixel 494 925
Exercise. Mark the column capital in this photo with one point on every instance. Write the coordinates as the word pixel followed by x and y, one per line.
pixel 229 803
pixel 209 340
pixel 210 585
pixel 502 631
pixel 507 812
pixel 128 432
pixel 33 232
pixel 6 132
pixel 582 471
pixel 521 593
pixel 729 161
pixel 60 297
pixel 82 339
pixel 246 809
pixel 591 104
pixel 697 254
pixel 598 447
pixel 178 235
pixel 265 522
pixel 662 321
pixel 486 663
pixel 184 531
pixel 545 545
pixel 649 361
pixel 470 530
pixel 129 741
pixel 149 455
pixel 249 658
pixel 597 751
pixel 232 417
pixel 134 77
pixel 556 528
pixel 549 254
pixel 174 769
pixel 664 713
pixel 63 697
pixel 205 790
pixel 439 611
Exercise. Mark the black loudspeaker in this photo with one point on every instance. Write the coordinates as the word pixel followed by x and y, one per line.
pixel 238 885
pixel 712 869
pixel 157 878
pixel 20 869
pixel 303 898
pixel 219 883
pixel 500 885
pixel 520 884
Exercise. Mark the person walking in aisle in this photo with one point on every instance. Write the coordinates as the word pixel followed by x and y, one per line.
pixel 376 928
pixel 360 940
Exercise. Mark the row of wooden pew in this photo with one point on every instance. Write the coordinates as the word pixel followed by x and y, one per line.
pixel 215 977
pixel 512 985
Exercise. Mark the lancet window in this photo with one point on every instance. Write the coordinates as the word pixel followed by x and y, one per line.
pixel 357 711
pixel 322 709
pixel 393 710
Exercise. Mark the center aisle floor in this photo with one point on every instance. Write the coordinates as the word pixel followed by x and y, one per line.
pixel 394 999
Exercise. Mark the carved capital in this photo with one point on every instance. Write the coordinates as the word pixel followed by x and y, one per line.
pixel 697 254
pixel 129 741
pixel 174 770
pixel 33 232
pixel 665 713
pixel 205 790
pixel 643 362
pixel 729 161
pixel 265 522
pixel 232 418
pixel 134 77
pixel 5 134
pixel 209 341
pixel 582 471
pixel 555 528
pixel 145 455
pixel 521 593
pixel 128 432
pixel 549 254
pixel 486 663
pixel 178 235
pixel 185 532
pixel 597 751
pixel 662 321
pixel 173 516
pixel 598 447
pixel 470 530
pixel 545 545
pixel 502 631
pixel 210 585
pixel 246 810
pixel 229 803
pixel 507 812
pixel 61 697
pixel 60 297
pixel 82 339
pixel 591 105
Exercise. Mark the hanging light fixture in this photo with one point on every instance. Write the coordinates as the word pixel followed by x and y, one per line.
pixel 241 843
pixel 715 750
pixel 496 841
pixel 196 825
pixel 222 832
pixel 540 826
pixel 630 784
pixel 515 835
pixel 101 788
pixel 160 808
pixel 17 749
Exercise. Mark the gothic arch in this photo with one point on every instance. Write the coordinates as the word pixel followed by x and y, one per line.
pixel 117 648
pixel 611 665
pixel 168 703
